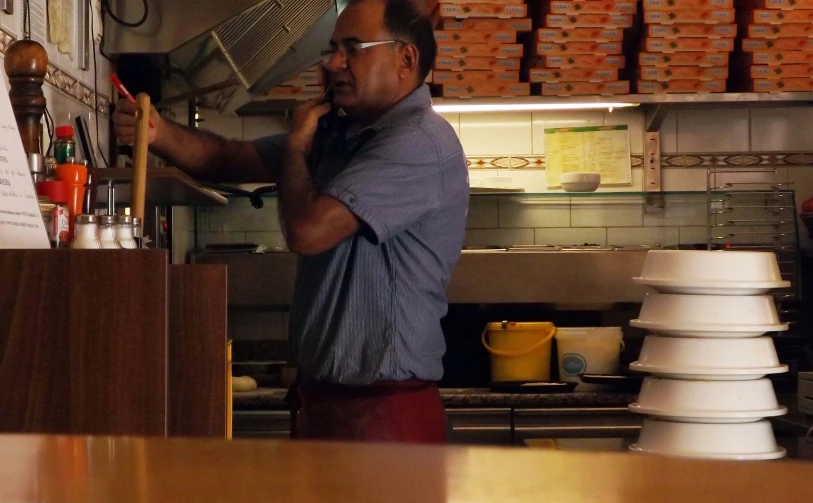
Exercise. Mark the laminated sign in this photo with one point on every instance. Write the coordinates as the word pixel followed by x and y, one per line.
pixel 597 149
pixel 21 224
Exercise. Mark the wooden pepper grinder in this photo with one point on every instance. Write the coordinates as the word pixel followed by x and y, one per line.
pixel 26 63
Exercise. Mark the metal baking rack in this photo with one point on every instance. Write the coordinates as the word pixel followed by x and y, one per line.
pixel 749 209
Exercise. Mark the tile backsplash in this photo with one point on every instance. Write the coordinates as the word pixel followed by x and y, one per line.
pixel 563 219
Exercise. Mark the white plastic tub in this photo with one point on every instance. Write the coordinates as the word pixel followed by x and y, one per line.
pixel 588 350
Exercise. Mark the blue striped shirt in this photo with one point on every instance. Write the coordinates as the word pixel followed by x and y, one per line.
pixel 370 308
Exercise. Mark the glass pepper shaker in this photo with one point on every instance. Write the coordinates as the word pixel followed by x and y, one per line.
pixel 85 233
pixel 107 232
pixel 124 232
pixel 138 232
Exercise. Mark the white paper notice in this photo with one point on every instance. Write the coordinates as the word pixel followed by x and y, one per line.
pixel 21 223
pixel 38 12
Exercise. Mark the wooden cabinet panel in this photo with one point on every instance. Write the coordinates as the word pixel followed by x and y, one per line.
pixel 83 341
pixel 197 342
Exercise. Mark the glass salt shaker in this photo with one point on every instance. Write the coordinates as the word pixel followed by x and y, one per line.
pixel 107 232
pixel 124 232
pixel 85 237
pixel 138 232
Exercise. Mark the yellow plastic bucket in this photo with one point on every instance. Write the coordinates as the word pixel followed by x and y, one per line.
pixel 520 351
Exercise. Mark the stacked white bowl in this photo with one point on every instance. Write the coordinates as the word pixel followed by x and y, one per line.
pixel 708 355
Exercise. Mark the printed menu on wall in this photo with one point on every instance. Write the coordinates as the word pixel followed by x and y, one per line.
pixel 21 224
pixel 596 149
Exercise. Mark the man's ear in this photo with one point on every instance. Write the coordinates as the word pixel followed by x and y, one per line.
pixel 409 60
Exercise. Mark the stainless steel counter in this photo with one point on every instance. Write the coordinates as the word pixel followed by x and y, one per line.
pixel 563 278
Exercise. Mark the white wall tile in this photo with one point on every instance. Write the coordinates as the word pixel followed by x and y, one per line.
pixel 271 239
pixel 717 130
pixel 500 237
pixel 633 118
pixel 693 235
pixel 555 119
pixel 239 215
pixel 496 133
pixel 572 236
pixel 683 179
pixel 616 211
pixel 257 127
pixel 483 212
pixel 778 129
pixel 454 120
pixel 532 180
pixel 682 211
pixel 664 236
pixel 668 133
pixel 534 212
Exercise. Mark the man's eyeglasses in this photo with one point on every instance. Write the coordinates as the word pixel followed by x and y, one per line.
pixel 351 49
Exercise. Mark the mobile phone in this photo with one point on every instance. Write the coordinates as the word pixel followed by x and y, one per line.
pixel 327 121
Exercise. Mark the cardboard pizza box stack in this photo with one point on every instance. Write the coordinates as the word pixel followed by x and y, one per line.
pixel 686 46
pixel 307 85
pixel 479 54
pixel 777 45
pixel 578 46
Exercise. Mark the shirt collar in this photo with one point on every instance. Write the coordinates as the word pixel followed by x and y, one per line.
pixel 417 99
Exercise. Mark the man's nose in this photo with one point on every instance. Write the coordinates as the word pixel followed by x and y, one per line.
pixel 336 62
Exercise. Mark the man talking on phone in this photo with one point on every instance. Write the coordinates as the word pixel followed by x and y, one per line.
pixel 374 201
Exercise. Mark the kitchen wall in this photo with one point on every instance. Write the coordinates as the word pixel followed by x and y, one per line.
pixel 622 220
pixel 69 91
pixel 605 220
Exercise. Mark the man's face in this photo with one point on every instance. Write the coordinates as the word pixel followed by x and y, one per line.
pixel 365 81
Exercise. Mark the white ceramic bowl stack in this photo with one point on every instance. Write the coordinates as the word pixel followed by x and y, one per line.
pixel 708 355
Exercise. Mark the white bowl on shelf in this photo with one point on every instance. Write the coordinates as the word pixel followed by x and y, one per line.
pixel 580 182
pixel 745 441
pixel 708 401
pixel 708 359
pixel 698 272
pixel 709 315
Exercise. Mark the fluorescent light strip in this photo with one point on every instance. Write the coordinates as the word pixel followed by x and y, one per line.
pixel 525 107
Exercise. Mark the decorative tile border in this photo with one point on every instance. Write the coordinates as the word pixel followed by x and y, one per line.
pixel 64 82
pixel 716 160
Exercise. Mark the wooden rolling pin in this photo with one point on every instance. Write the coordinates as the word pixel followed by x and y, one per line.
pixel 140 155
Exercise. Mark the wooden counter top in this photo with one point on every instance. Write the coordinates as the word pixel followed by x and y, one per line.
pixel 122 470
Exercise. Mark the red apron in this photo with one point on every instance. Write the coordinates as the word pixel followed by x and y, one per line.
pixel 385 411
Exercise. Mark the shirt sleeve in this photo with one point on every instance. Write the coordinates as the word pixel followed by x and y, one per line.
pixel 271 150
pixel 392 182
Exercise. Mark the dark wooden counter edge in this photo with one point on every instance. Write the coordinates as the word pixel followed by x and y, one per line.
pixel 273 398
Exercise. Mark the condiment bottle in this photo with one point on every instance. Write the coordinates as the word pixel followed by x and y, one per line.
pixel 86 237
pixel 75 177
pixel 107 232
pixel 50 167
pixel 64 145
pixel 138 232
pixel 124 232
pixel 55 212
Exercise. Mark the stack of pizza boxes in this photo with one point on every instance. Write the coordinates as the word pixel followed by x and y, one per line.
pixel 478 50
pixel 305 86
pixel 686 46
pixel 578 46
pixel 777 45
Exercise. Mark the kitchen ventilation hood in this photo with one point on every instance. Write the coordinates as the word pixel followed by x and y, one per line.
pixel 237 49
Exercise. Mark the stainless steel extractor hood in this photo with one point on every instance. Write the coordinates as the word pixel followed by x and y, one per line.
pixel 245 44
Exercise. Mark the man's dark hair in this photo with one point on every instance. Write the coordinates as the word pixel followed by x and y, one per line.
pixel 409 22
